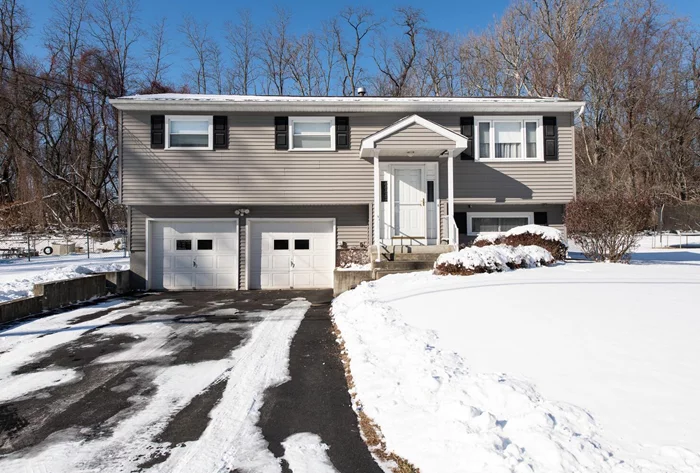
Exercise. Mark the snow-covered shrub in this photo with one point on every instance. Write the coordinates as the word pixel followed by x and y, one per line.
pixel 607 228
pixel 548 238
pixel 490 259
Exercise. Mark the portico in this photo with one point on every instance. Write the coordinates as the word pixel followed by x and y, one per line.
pixel 406 206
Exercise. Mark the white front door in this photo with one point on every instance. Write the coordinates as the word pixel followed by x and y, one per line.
pixel 291 254
pixel 409 203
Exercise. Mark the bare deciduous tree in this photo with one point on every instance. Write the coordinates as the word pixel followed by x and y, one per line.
pixel 243 45
pixel 396 59
pixel 275 53
pixel 361 23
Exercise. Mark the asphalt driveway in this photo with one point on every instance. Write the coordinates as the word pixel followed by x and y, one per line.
pixel 191 378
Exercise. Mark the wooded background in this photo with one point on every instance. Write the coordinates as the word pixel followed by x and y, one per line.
pixel 636 65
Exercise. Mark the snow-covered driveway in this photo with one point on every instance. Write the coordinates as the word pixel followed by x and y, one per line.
pixel 580 367
pixel 167 382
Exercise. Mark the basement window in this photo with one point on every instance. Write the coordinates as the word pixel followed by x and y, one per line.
pixel 496 222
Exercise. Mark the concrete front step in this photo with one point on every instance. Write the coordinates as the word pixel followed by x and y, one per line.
pixel 417 257
pixel 380 273
pixel 402 249
pixel 404 265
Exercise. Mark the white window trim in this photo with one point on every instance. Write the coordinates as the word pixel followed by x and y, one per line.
pixel 470 215
pixel 293 120
pixel 191 118
pixel 492 136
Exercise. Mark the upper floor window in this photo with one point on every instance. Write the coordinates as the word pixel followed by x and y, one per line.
pixel 509 138
pixel 189 132
pixel 312 133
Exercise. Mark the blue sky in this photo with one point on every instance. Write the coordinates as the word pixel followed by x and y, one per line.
pixel 448 15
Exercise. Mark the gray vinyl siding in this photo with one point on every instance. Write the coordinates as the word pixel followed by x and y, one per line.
pixel 252 172
pixel 352 226
pixel 415 136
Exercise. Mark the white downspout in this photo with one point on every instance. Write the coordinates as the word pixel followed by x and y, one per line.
pixel 377 196
pixel 451 196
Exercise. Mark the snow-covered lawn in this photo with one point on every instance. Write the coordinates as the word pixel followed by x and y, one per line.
pixel 580 367
pixel 18 276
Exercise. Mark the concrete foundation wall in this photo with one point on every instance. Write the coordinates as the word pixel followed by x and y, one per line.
pixel 62 293
pixel 346 280
pixel 57 294
pixel 18 308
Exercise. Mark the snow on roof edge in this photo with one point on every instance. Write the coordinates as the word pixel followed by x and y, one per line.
pixel 334 99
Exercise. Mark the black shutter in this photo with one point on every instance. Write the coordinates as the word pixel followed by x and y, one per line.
pixel 220 132
pixel 342 133
pixel 550 138
pixel 466 127
pixel 461 221
pixel 282 133
pixel 540 218
pixel 158 131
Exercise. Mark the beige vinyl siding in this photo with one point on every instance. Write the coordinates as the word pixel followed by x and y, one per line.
pixel 517 181
pixel 352 225
pixel 415 136
pixel 252 172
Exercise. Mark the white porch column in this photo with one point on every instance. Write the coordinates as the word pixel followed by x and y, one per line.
pixel 451 197
pixel 377 197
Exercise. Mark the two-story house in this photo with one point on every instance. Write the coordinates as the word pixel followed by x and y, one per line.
pixel 247 192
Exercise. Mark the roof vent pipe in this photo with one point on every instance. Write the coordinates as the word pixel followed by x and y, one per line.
pixel 361 91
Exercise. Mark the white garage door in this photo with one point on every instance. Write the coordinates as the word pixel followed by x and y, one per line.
pixel 291 254
pixel 197 254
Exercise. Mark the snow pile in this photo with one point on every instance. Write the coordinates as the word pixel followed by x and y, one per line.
pixel 547 233
pixel 496 258
pixel 19 276
pixel 469 375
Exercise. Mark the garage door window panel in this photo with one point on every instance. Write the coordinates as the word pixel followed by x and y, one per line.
pixel 281 244
pixel 183 245
pixel 205 244
pixel 302 244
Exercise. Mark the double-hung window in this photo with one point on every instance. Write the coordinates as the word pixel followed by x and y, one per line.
pixel 509 138
pixel 190 132
pixel 312 133
pixel 496 222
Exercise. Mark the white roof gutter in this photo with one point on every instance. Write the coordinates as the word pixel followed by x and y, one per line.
pixel 365 105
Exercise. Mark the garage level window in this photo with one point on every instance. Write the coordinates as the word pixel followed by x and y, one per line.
pixel 509 138
pixel 281 244
pixel 183 245
pixel 312 133
pixel 189 132
pixel 482 222
pixel 205 244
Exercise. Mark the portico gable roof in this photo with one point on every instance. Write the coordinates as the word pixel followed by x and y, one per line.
pixel 372 144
